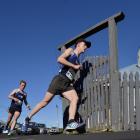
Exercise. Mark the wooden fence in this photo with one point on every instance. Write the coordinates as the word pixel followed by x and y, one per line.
pixel 95 107
pixel 99 83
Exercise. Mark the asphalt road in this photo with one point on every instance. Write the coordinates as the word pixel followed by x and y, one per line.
pixel 130 135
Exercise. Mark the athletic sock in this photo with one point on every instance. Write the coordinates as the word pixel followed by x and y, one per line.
pixel 71 120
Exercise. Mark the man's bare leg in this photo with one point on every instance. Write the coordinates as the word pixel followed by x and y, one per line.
pixel 16 116
pixel 73 99
pixel 48 97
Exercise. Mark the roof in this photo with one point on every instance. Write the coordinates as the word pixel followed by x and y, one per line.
pixel 132 68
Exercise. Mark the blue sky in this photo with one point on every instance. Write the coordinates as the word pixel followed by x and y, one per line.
pixel 31 31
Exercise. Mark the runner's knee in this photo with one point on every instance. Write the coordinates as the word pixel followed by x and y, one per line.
pixel 75 99
pixel 15 119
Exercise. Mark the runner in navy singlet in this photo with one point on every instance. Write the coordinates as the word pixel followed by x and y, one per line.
pixel 62 83
pixel 18 96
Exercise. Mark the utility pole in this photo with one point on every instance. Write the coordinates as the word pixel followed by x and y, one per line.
pixel 138 63
pixel 57 115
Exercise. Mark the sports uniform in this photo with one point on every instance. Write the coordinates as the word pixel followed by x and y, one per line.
pixel 63 81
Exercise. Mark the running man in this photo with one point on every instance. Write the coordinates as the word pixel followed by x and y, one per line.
pixel 17 96
pixel 62 83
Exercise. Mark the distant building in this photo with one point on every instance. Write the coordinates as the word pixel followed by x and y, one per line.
pixel 132 68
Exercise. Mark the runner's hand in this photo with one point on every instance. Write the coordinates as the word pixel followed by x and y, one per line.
pixel 28 107
pixel 77 67
pixel 16 100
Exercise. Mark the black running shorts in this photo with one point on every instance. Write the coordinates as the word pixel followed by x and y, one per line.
pixel 13 110
pixel 60 84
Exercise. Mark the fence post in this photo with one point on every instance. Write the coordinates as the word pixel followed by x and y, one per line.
pixel 114 75
pixel 125 102
pixel 131 102
pixel 137 91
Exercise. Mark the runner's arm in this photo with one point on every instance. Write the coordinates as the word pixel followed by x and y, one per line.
pixel 62 58
pixel 11 96
pixel 26 103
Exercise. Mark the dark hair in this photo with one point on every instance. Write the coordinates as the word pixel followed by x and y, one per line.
pixel 22 81
pixel 88 43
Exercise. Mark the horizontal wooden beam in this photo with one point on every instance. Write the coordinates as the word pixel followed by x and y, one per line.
pixel 94 29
